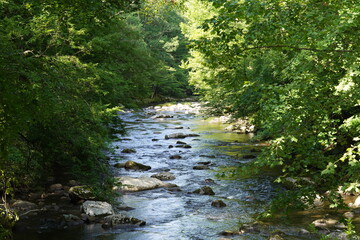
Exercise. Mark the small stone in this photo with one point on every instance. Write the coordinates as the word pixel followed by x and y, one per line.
pixel 206 190
pixel 180 142
pixel 183 146
pixel 97 208
pixel 209 180
pixel 154 140
pixel 201 167
pixel 218 204
pixel 204 163
pixel 116 221
pixel 208 156
pixel 170 146
pixel 228 233
pixel 55 187
pixel 128 150
pixel 131 165
pixel 73 183
pixel 164 176
pixel 349 215
pixel 175 157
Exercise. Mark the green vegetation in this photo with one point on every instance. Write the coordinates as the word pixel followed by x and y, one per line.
pixel 292 67
pixel 66 69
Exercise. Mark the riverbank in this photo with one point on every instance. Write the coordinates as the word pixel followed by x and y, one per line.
pixel 183 193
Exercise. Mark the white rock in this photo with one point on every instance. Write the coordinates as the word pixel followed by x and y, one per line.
pixel 97 208
pixel 139 184
pixel 357 202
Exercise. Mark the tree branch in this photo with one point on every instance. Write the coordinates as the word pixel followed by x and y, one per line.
pixel 298 48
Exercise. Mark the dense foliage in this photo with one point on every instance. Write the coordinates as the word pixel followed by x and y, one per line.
pixel 66 69
pixel 292 67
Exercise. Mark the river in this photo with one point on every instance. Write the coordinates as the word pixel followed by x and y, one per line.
pixel 182 214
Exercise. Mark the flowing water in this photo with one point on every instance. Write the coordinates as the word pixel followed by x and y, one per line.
pixel 182 214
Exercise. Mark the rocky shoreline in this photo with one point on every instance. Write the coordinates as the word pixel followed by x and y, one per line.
pixel 71 204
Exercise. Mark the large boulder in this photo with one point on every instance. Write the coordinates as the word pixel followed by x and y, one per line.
pixel 164 176
pixel 97 208
pixel 119 220
pixel 131 165
pixel 133 184
pixel 78 193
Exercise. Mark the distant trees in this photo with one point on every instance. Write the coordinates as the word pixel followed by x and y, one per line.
pixel 292 67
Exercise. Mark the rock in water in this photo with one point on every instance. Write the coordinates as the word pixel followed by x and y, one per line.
pixel 118 220
pixel 140 184
pixel 97 208
pixel 180 135
pixel 128 150
pixel 164 176
pixel 175 157
pixel 78 193
pixel 131 165
pixel 206 190
pixel 201 167
pixel 218 204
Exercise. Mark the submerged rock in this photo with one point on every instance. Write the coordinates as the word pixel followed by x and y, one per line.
pixel 133 184
pixel 131 165
pixel 78 193
pixel 201 167
pixel 183 146
pixel 206 190
pixel 164 176
pixel 128 150
pixel 119 220
pixel 97 208
pixel 218 204
pixel 175 157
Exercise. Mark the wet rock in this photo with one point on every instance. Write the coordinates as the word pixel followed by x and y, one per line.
pixel 250 228
pixel 201 167
pixel 154 140
pixel 170 146
pixel 126 139
pixel 119 220
pixel 175 157
pixel 218 204
pixel 328 223
pixel 164 176
pixel 23 206
pixel 34 196
pixel 209 180
pixel 163 116
pixel 229 233
pixel 180 142
pixel 73 183
pixel 97 208
pixel 241 126
pixel 337 236
pixel 131 165
pixel 204 163
pixel 206 190
pixel 248 156
pixel 128 150
pixel 183 146
pixel 133 184
pixel 78 193
pixel 357 202
pixel 180 135
pixel 119 165
pixel 349 215
pixel 56 187
pixel 208 156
